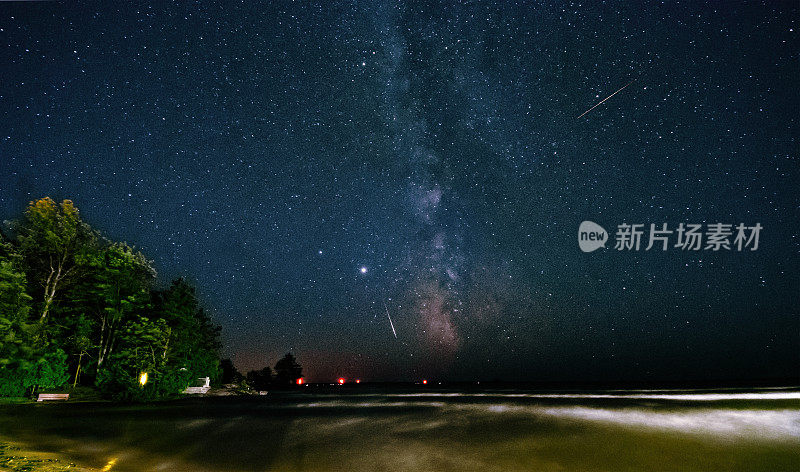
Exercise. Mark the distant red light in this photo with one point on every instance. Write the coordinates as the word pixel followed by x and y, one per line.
pixel 301 381
pixel 358 381
pixel 424 382
pixel 341 380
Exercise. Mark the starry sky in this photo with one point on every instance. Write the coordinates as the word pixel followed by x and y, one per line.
pixel 316 167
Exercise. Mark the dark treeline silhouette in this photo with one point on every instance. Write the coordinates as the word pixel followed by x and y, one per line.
pixel 78 309
pixel 228 372
pixel 285 374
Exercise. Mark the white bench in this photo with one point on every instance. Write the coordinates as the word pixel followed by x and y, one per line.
pixel 53 396
pixel 202 386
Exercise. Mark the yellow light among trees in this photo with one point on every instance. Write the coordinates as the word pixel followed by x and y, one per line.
pixel 143 378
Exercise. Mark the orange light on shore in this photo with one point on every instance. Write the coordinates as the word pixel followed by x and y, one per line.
pixel 358 381
pixel 341 381
pixel 424 382
pixel 301 381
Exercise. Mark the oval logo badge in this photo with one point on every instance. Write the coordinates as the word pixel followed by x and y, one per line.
pixel 591 236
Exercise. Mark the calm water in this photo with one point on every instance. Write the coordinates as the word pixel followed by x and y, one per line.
pixel 423 430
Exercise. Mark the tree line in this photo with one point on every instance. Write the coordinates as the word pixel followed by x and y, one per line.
pixel 79 309
pixel 287 372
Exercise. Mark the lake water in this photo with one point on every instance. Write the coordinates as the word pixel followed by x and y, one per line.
pixel 370 429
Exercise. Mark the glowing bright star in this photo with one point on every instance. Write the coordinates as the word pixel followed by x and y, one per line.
pixel 363 270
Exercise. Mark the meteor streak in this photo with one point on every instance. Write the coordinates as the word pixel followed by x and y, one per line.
pixel 603 100
pixel 390 320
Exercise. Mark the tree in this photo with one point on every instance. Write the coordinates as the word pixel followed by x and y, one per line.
pixel 24 363
pixel 229 373
pixel 50 370
pixel 16 334
pixel 51 236
pixel 171 338
pixel 143 344
pixel 194 343
pixel 80 342
pixel 45 371
pixel 260 379
pixel 119 289
pixel 287 370
pixel 142 348
pixel 15 305
pixel 96 296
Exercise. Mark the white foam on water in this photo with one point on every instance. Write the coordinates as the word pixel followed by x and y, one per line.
pixel 628 396
pixel 345 403
pixel 757 424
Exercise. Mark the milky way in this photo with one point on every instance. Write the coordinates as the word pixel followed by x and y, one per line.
pixel 434 259
pixel 302 163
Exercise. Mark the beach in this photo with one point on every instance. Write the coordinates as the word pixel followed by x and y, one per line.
pixel 361 429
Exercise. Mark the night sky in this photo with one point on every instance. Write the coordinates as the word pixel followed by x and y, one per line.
pixel 312 166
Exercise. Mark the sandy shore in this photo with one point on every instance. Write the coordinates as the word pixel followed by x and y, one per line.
pixel 366 430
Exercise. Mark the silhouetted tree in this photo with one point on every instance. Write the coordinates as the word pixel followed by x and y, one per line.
pixel 287 370
pixel 260 379
pixel 229 372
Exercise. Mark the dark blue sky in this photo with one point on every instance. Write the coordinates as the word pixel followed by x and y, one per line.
pixel 268 152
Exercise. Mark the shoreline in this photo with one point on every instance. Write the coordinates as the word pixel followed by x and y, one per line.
pixel 451 430
pixel 16 456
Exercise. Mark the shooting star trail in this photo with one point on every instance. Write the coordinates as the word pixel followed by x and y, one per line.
pixel 390 319
pixel 603 100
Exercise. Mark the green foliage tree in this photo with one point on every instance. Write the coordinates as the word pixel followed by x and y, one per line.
pixel 51 237
pixel 47 371
pixel 118 289
pixel 24 364
pixel 194 341
pixel 68 294
pixel 179 345
pixel 50 370
pixel 143 344
pixel 80 342
pixel 15 305
pixel 142 349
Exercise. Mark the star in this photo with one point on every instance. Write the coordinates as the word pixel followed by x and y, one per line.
pixel 453 162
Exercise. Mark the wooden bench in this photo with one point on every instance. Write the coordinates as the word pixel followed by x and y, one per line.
pixel 52 396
